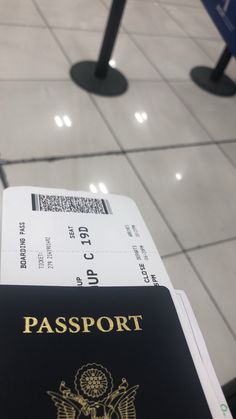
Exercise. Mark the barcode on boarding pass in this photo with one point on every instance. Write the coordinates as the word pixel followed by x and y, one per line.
pixel 59 203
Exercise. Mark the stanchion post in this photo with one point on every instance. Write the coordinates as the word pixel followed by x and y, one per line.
pixel 113 23
pixel 214 80
pixel 220 67
pixel 98 77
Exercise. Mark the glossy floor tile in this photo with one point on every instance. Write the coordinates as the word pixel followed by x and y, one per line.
pixel 194 21
pixel 84 45
pixel 19 12
pixel 195 189
pixel 79 174
pixel 220 343
pixel 216 114
pixel 173 57
pixel 79 14
pixel 214 49
pixel 217 267
pixel 148 116
pixel 230 152
pixel 30 53
pixel 49 119
pixel 149 18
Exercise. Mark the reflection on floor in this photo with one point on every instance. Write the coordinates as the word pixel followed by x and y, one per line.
pixel 165 143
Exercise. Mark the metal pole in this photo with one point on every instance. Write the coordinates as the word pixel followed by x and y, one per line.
pixel 112 28
pixel 218 71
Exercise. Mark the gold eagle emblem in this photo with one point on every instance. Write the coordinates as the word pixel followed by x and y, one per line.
pixel 94 396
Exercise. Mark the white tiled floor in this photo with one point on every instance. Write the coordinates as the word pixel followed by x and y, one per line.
pixel 43 102
pixel 164 113
pixel 216 114
pixel 200 207
pixel 30 53
pixel 156 143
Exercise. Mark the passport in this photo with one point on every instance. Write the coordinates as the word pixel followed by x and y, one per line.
pixel 95 353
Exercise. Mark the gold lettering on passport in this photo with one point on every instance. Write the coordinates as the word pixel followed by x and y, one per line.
pixel 94 396
pixel 103 324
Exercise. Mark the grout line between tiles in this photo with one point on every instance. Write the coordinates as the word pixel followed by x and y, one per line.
pixel 163 35
pixel 187 6
pixel 51 159
pixel 210 244
pixel 22 25
pixel 202 246
pixel 169 255
pixel 226 155
pixel 193 6
pixel 48 26
pixel 76 29
pixel 3 177
pixel 121 152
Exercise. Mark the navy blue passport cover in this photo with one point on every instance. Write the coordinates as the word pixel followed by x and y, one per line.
pixel 107 353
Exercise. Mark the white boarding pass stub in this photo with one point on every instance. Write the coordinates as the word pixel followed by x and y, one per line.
pixel 61 237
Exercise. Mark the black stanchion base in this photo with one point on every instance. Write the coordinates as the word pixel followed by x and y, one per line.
pixel 224 87
pixel 83 74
